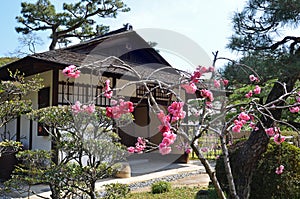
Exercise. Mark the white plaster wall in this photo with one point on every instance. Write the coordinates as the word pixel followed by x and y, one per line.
pixel 83 79
pixel 128 91
pixel 11 127
pixel 25 127
pixel 41 142
pixel 38 142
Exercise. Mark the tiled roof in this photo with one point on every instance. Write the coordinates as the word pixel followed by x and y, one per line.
pixel 109 64
pixel 83 54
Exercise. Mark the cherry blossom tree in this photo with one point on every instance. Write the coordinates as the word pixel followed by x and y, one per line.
pixel 216 114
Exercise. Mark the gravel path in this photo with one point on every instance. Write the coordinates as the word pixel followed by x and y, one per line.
pixel 189 178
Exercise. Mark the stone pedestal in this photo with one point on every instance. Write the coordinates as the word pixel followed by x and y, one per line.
pixel 124 171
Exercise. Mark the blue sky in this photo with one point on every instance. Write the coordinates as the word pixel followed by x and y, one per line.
pixel 205 22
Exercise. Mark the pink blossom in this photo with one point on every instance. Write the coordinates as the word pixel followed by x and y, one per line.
pixel 211 69
pixel 298 99
pixel 189 88
pixel 139 148
pixel 109 112
pixel 126 107
pixel 140 145
pixel 208 105
pixel 71 71
pixel 225 82
pixel 204 149
pixel 161 115
pixel 118 110
pixel 167 141
pixel 141 141
pixel 108 92
pixel 252 125
pixel 199 72
pixel 90 108
pixel 170 136
pixel 253 78
pixel 76 108
pixel 113 102
pixel 239 122
pixel 163 149
pixel 249 94
pixel 279 170
pixel 207 94
pixel 257 89
pixel 237 128
pixel 217 84
pixel 176 110
pixel 270 131
pixel 131 149
pixel 164 128
pixel 188 150
pixel 196 76
pixel 75 74
pixel 165 122
pixel 244 116
pixel 278 139
pixel 202 69
pixel 294 109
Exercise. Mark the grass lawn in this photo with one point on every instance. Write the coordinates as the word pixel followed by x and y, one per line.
pixel 175 193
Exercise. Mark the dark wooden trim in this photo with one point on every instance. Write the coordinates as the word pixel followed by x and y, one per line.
pixel 43 101
pixel 55 79
pixel 30 133
pixel 145 101
pixel 55 82
pixel 114 82
pixel 18 133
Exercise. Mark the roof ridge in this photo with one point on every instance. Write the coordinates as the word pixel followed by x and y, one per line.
pixel 125 30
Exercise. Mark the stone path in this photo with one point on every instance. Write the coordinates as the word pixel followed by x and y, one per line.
pixel 198 180
pixel 185 174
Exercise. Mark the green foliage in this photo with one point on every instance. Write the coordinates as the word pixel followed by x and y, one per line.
pixel 116 190
pixel 90 149
pixel 76 20
pixel 285 185
pixel 12 102
pixel 53 116
pixel 178 193
pixel 265 182
pixel 9 146
pixel 258 24
pixel 30 170
pixel 160 187
pixel 206 194
pixel 6 60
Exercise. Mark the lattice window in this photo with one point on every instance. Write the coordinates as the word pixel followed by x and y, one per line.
pixel 68 92
pixel 158 93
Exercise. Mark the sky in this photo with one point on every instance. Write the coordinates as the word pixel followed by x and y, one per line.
pixel 206 23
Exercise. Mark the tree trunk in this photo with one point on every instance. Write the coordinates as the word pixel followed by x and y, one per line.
pixel 248 155
pixel 209 171
pixel 54 41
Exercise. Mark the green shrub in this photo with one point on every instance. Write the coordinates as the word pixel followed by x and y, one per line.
pixel 210 192
pixel 160 187
pixel 116 190
pixel 286 185
pixel 265 182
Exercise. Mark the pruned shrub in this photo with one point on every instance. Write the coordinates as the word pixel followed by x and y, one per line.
pixel 160 187
pixel 265 182
pixel 116 190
